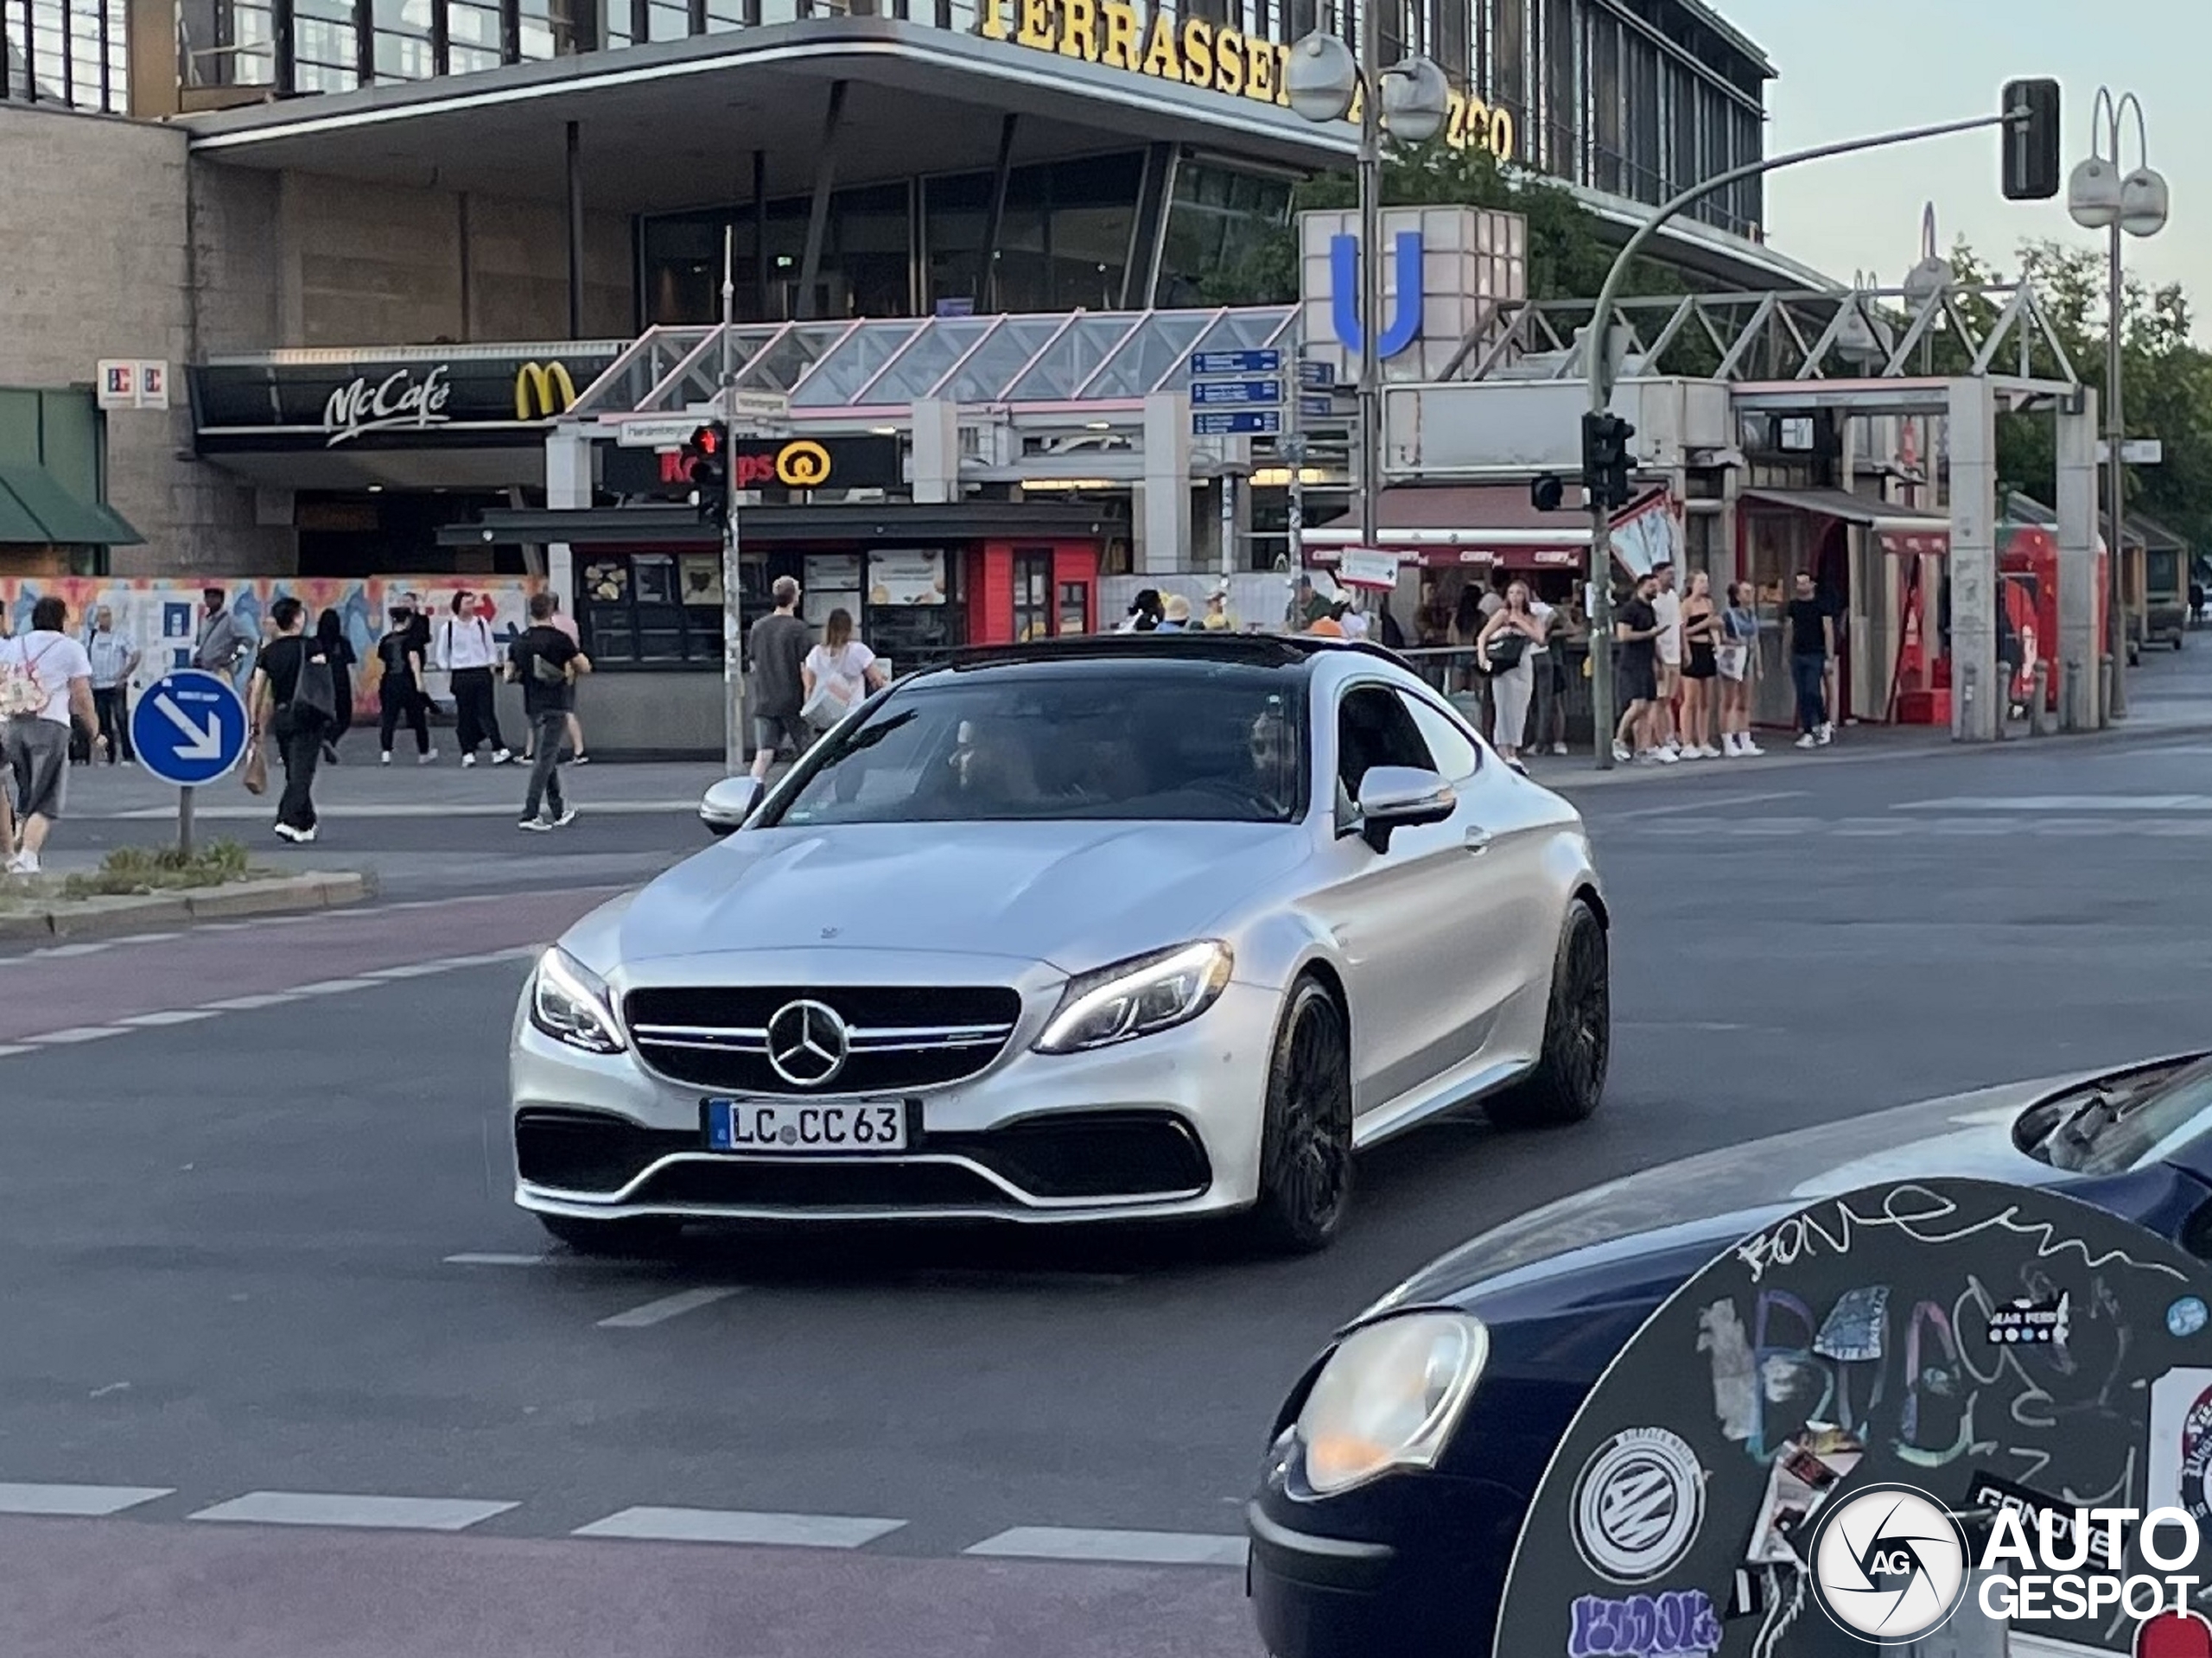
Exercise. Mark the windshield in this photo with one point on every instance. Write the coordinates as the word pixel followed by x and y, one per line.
pixel 2129 1120
pixel 1178 741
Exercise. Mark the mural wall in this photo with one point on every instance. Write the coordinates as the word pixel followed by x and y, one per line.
pixel 162 616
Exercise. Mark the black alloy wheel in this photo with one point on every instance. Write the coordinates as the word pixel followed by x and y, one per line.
pixel 635 1235
pixel 1570 1075
pixel 1306 1145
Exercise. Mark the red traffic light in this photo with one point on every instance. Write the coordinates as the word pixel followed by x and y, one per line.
pixel 707 440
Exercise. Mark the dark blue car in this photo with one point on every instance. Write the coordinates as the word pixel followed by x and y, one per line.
pixel 1404 1462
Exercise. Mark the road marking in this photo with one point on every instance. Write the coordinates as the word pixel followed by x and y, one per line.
pixel 669 1307
pixel 405 970
pixel 492 1258
pixel 62 952
pixel 1123 1547
pixel 77 1501
pixel 366 812
pixel 1714 804
pixel 247 1004
pixel 377 1513
pixel 334 987
pixel 79 1034
pixel 11 1049
pixel 2104 803
pixel 172 1016
pixel 739 1525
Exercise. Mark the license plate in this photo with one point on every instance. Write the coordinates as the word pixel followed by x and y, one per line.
pixel 783 1126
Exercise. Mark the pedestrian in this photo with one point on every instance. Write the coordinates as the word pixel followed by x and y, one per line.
pixel 1635 634
pixel 546 662
pixel 222 642
pixel 1351 618
pixel 1175 615
pixel 779 644
pixel 1738 660
pixel 1812 647
pixel 1565 636
pixel 1217 618
pixel 566 624
pixel 1667 607
pixel 1543 666
pixel 114 658
pixel 337 651
pixel 1701 637
pixel 1146 612
pixel 1504 648
pixel 842 669
pixel 399 688
pixel 46 689
pixel 290 701
pixel 470 653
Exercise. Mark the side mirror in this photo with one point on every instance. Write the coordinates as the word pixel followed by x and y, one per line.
pixel 1393 798
pixel 728 803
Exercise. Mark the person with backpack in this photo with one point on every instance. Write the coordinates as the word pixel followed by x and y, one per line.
pixel 46 691
pixel 548 663
pixel 468 652
pixel 293 699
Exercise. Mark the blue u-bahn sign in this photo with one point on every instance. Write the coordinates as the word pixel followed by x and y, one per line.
pixel 1404 325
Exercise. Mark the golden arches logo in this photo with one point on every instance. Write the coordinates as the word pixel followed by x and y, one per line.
pixel 537 388
pixel 802 465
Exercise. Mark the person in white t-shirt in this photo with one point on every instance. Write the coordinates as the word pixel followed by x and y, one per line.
pixel 35 736
pixel 1545 688
pixel 841 666
pixel 1667 606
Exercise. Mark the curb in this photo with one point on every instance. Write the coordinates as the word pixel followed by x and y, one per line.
pixel 95 918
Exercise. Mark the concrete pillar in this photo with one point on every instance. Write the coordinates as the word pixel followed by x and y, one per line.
pixel 568 488
pixel 1163 538
pixel 1977 697
pixel 937 452
pixel 2078 646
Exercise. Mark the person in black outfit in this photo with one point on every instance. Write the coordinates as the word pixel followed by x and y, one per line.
pixel 399 692
pixel 546 662
pixel 1635 659
pixel 1811 645
pixel 337 651
pixel 280 713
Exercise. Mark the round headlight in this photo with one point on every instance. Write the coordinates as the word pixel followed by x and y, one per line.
pixel 1388 1397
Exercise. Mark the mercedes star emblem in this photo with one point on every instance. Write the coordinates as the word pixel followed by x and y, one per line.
pixel 807 1043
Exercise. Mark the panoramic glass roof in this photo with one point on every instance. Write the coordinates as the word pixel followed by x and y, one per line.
pixel 1078 356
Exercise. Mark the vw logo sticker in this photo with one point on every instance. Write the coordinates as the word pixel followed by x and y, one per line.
pixel 1889 1565
pixel 1638 1505
pixel 807 1043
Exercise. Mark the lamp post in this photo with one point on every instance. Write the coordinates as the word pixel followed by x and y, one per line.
pixel 2099 198
pixel 1324 81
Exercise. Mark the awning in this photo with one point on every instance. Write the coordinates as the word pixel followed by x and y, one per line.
pixel 1902 529
pixel 1477 525
pixel 36 510
pixel 910 522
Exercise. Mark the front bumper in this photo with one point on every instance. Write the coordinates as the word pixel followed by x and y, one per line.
pixel 1162 1128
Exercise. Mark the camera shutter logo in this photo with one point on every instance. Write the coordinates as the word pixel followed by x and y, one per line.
pixel 1638 1505
pixel 1890 1564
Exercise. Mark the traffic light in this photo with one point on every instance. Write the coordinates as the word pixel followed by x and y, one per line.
pixel 706 464
pixel 1547 492
pixel 1605 460
pixel 2030 111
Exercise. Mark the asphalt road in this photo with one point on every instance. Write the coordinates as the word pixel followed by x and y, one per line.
pixel 242 1164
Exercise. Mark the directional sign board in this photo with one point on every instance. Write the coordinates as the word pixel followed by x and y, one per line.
pixel 190 728
pixel 1211 363
pixel 1235 393
pixel 1317 375
pixel 1236 422
pixel 1317 406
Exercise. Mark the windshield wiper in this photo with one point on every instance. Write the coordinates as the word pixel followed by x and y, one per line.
pixel 2079 1128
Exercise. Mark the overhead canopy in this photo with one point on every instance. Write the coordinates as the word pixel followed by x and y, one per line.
pixel 37 509
pixel 1489 523
pixel 960 521
pixel 1901 528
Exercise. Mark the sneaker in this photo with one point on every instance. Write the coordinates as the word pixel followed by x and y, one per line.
pixel 286 832
pixel 1747 746
pixel 16 865
pixel 567 816
pixel 1809 742
pixel 1685 753
pixel 384 758
pixel 1621 754
pixel 1826 735
pixel 1667 756
pixel 467 760
pixel 536 825
pixel 430 758
pixel 1709 751
pixel 503 757
pixel 1557 749
pixel 585 760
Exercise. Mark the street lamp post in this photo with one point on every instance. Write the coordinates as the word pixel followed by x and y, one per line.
pixel 2099 198
pixel 1324 82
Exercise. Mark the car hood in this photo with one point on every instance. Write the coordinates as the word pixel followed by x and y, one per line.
pixel 1076 895
pixel 1696 1207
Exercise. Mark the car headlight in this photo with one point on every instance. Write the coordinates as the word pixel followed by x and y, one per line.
pixel 1388 1397
pixel 1135 998
pixel 570 1003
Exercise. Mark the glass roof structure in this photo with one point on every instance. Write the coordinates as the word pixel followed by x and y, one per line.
pixel 895 362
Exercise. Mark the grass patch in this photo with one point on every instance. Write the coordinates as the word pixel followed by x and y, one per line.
pixel 131 870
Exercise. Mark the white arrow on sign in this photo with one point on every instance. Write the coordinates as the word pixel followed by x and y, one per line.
pixel 203 744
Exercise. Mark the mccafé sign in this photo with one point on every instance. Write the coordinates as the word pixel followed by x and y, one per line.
pixel 1197 52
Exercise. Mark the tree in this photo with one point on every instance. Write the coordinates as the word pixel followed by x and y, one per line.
pixel 1568 254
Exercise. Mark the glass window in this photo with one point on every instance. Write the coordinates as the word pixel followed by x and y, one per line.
pixel 1459 757
pixel 472 36
pixel 929 359
pixel 983 376
pixel 1449 34
pixel 1508 60
pixel 547 29
pixel 1156 350
pixel 325 48
pixel 1219 222
pixel 1374 727
pixel 402 40
pixel 632 614
pixel 1033 596
pixel 841 377
pixel 956 211
pixel 1172 741
pixel 1074 358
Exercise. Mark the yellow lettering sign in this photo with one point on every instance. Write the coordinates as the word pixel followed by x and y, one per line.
pixel 1198 52
pixel 1037 25
pixel 1229 62
pixel 1161 60
pixel 1120 51
pixel 991 20
pixel 1079 30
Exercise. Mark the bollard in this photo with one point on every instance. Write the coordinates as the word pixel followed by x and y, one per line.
pixel 2039 723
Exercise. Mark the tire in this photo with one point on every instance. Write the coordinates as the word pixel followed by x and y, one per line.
pixel 1570 1075
pixel 1306 1142
pixel 639 1234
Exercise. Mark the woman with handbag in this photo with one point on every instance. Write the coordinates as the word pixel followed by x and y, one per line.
pixel 838 675
pixel 1502 648
pixel 292 699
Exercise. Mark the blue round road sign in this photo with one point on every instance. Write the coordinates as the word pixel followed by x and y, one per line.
pixel 190 728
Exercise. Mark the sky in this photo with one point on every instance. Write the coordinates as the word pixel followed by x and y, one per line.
pixel 1844 70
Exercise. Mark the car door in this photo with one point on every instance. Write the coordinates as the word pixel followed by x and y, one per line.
pixel 1502 895
pixel 1383 909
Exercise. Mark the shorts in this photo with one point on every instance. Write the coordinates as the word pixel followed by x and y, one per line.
pixel 770 732
pixel 1700 664
pixel 37 753
pixel 1638 683
pixel 1669 676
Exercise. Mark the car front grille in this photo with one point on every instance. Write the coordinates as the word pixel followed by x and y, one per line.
pixel 898 1038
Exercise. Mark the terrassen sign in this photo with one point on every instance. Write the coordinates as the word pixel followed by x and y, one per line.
pixel 1196 52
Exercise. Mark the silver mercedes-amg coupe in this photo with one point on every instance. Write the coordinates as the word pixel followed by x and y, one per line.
pixel 1152 925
